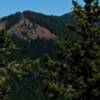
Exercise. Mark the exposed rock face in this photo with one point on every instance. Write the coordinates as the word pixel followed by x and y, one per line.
pixel 25 29
pixel 42 32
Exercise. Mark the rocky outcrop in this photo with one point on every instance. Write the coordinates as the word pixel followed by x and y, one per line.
pixel 25 29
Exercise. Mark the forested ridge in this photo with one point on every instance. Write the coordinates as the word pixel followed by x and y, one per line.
pixel 58 22
pixel 62 68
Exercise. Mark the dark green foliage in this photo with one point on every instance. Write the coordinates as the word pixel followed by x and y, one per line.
pixel 3 62
pixel 76 73
pixel 23 82
pixel 31 48
pixel 19 80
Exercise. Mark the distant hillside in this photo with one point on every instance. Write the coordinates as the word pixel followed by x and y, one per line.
pixel 69 19
pixel 33 32
pixel 54 24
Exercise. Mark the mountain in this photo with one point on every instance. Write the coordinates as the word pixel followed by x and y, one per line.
pixel 52 24
pixel 34 32
pixel 25 29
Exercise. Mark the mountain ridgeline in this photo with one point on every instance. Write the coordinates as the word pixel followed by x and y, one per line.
pixel 55 24
pixel 33 32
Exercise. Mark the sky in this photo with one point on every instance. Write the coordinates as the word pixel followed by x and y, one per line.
pixel 50 7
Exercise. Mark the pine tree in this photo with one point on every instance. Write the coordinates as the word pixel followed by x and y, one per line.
pixel 6 45
pixel 76 73
pixel 3 63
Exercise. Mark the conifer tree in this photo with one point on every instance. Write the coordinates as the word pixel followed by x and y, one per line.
pixel 3 62
pixel 6 45
pixel 76 73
